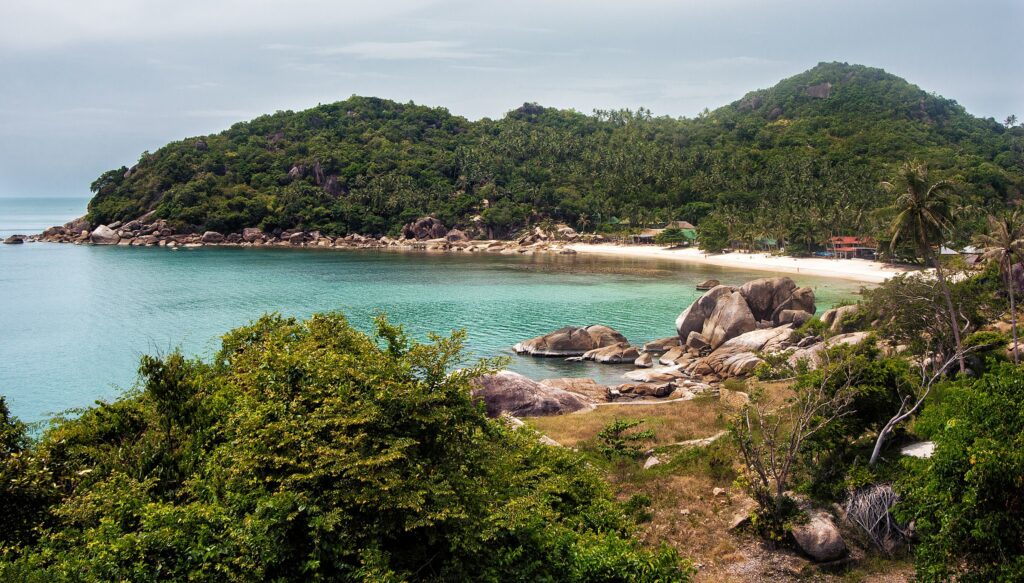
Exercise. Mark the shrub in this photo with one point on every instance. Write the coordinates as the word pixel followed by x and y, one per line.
pixel 310 451
pixel 966 500
pixel 617 440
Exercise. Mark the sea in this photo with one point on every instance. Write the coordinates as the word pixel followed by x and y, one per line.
pixel 74 320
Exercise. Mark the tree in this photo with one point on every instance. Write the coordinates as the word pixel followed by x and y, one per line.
pixel 311 451
pixel 1011 120
pixel 771 441
pixel 923 210
pixel 1004 242
pixel 966 500
pixel 712 235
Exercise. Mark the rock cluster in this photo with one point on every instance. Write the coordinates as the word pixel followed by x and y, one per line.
pixel 425 234
pixel 575 341
pixel 512 393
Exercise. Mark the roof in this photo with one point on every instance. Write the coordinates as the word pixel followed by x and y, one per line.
pixel 651 232
pixel 852 240
pixel 679 225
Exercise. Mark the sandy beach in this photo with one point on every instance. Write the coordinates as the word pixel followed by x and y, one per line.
pixel 849 269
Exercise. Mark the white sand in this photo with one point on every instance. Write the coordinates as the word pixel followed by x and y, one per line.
pixel 849 269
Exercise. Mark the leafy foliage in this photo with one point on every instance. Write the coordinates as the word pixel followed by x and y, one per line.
pixel 779 163
pixel 309 451
pixel 617 439
pixel 967 499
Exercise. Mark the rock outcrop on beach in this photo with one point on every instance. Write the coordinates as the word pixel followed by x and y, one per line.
pixel 512 393
pixel 424 228
pixel 571 341
pixel 104 235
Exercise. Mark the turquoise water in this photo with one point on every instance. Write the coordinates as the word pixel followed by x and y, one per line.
pixel 75 319
pixel 26 216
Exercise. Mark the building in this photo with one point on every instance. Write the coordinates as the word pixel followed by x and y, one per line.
pixel 648 236
pixel 851 247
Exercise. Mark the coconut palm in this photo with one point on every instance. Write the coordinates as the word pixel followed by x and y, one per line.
pixel 1004 243
pixel 923 211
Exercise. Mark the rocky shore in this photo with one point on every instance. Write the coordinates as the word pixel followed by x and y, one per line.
pixel 725 333
pixel 424 234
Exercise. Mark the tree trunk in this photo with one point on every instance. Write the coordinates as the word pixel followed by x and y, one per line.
pixel 949 306
pixel 1013 316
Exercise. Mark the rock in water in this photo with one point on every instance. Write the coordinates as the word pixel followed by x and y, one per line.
pixel 692 318
pixel 512 393
pixel 614 354
pixel 730 318
pixel 104 235
pixel 571 341
pixel 764 295
pixel 819 538
pixel 212 237
pixel 14 240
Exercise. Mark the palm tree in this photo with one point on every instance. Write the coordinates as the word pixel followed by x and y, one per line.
pixel 1004 242
pixel 923 212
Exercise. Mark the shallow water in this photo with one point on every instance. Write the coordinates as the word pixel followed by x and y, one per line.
pixel 75 319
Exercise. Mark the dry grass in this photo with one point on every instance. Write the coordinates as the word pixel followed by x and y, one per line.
pixel 685 513
pixel 671 422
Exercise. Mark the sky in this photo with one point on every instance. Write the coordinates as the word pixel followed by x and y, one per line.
pixel 88 85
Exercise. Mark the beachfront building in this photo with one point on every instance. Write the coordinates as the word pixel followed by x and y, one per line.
pixel 649 236
pixel 852 247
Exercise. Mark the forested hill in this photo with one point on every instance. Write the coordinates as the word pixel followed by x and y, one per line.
pixel 790 162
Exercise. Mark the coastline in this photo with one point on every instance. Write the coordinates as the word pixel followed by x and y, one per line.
pixel 140 233
pixel 859 270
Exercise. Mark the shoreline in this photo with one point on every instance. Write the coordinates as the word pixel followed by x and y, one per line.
pixel 859 270
pixel 138 233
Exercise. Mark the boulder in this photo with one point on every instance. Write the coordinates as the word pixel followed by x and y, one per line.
pixel 819 537
pixel 738 356
pixel 78 225
pixel 645 360
pixel 662 344
pixel 764 295
pixel 669 358
pixel 812 354
pixel 104 235
pixel 424 228
pixel 656 390
pixel 664 374
pixel 834 317
pixel 614 354
pixel 456 236
pixel 708 284
pixel 795 317
pixel 693 317
pixel 730 318
pixel 14 240
pixel 697 341
pixel 819 91
pixel 582 386
pixel 212 238
pixel 512 393
pixel 252 234
pixel 570 341
pixel 297 238
pixel 801 300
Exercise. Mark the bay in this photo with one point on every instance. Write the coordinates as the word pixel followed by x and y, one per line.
pixel 75 319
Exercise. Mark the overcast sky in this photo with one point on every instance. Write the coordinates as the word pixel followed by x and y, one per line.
pixel 87 85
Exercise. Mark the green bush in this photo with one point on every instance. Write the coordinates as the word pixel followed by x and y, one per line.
pixel 310 451
pixel 617 440
pixel 966 500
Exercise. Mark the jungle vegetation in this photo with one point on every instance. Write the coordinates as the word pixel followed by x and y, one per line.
pixel 789 163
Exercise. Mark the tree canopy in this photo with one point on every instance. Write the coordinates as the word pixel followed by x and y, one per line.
pixel 309 451
pixel 788 162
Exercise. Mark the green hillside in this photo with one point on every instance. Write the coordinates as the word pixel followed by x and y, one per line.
pixel 787 162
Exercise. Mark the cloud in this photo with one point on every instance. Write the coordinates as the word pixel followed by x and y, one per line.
pixel 49 24
pixel 404 50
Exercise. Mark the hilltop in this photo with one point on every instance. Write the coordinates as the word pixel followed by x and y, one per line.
pixel 787 162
